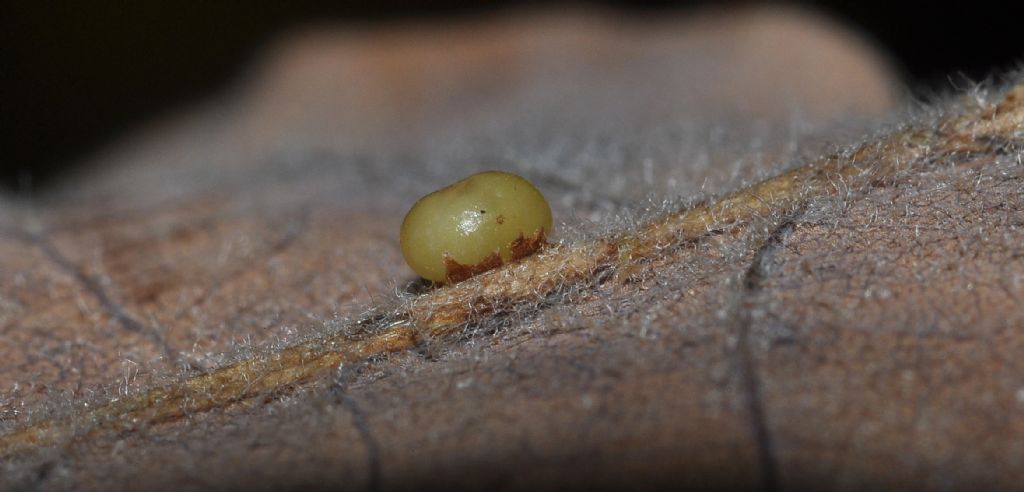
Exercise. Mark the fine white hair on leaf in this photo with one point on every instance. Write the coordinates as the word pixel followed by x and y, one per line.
pixel 612 174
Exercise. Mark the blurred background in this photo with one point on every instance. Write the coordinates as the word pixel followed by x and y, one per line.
pixel 77 76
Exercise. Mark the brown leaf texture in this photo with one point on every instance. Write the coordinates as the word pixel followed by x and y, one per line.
pixel 763 275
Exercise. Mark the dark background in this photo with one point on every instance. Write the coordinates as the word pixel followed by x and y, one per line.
pixel 77 75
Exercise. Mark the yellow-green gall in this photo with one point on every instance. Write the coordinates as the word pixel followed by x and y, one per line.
pixel 474 225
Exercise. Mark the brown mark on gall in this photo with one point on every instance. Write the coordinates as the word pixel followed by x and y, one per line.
pixel 524 246
pixel 457 272
pixel 520 247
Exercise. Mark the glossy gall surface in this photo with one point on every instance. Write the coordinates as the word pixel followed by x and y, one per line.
pixel 476 224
